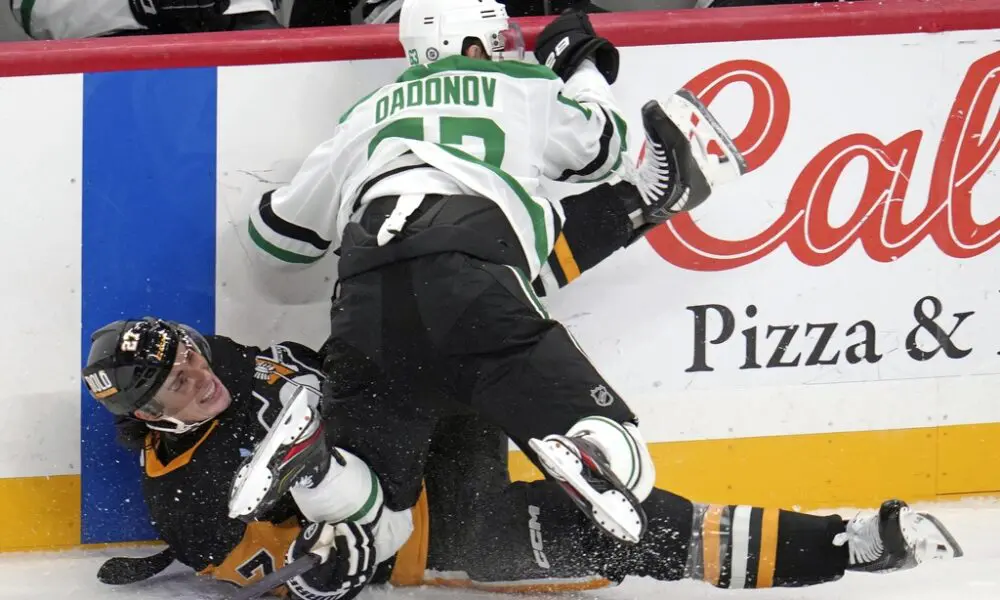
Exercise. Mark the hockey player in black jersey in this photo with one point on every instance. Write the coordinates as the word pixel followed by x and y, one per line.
pixel 196 406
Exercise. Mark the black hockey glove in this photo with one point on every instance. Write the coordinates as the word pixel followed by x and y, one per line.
pixel 180 16
pixel 569 40
pixel 348 558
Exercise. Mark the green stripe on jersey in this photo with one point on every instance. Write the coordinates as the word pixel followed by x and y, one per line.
pixel 535 210
pixel 622 129
pixel 520 70
pixel 280 253
pixel 574 104
pixel 27 6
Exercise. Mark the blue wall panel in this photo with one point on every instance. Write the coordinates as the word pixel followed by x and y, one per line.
pixel 149 177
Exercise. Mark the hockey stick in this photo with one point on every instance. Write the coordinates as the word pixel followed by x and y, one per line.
pixel 275 579
pixel 122 570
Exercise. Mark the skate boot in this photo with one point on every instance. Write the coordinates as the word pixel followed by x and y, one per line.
pixel 896 538
pixel 294 453
pixel 581 466
pixel 675 171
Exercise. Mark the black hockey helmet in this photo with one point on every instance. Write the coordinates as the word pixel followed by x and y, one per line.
pixel 129 360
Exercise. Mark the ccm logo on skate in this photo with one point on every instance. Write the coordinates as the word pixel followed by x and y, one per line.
pixel 535 531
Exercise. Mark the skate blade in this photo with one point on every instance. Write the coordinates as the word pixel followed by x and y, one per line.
pixel 935 542
pixel 702 131
pixel 254 479
pixel 612 511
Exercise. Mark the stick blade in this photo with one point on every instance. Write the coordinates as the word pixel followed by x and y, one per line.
pixel 122 570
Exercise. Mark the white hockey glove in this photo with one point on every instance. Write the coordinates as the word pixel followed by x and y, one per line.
pixel 676 172
pixel 347 552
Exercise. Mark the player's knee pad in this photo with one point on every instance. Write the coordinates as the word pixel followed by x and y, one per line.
pixel 625 450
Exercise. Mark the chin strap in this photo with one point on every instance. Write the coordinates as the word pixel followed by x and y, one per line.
pixel 172 425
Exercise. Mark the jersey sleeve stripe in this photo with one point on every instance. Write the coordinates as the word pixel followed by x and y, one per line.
pixel 279 253
pixel 27 7
pixel 622 127
pixel 604 150
pixel 288 229
pixel 574 104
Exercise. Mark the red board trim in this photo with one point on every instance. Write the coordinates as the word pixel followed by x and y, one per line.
pixel 643 28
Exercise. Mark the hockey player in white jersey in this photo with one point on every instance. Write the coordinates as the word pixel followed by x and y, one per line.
pixel 74 19
pixel 430 188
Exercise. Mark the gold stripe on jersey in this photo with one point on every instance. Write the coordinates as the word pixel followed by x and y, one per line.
pixel 411 560
pixel 155 468
pixel 261 551
pixel 564 255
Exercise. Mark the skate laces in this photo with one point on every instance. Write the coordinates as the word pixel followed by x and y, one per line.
pixel 864 542
pixel 653 175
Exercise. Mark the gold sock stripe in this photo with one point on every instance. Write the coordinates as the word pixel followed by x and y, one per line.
pixel 566 260
pixel 768 547
pixel 711 532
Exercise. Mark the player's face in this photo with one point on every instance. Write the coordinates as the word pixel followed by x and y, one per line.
pixel 192 393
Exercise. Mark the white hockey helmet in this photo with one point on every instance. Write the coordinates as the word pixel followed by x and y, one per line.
pixel 433 29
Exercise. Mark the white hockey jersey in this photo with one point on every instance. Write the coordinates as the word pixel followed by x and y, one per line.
pixel 74 19
pixel 485 128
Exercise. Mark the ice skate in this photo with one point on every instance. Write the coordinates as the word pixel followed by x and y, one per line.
pixel 293 453
pixel 675 171
pixel 896 538
pixel 584 472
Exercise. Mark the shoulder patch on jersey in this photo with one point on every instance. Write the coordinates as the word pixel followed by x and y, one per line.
pixel 272 371
pixel 511 68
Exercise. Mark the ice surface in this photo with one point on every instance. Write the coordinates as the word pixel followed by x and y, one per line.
pixel 975 523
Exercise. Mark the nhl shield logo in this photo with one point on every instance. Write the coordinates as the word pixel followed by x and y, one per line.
pixel 601 396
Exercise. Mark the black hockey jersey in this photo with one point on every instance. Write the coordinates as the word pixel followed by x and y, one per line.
pixel 187 477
